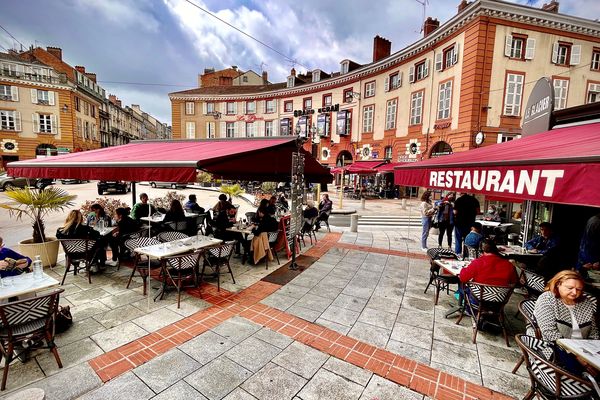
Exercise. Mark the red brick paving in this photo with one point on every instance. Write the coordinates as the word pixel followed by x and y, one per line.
pixel 406 372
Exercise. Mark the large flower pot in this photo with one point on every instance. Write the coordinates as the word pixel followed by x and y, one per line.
pixel 48 251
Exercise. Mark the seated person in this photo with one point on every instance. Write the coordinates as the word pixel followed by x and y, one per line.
pixel 98 214
pixel 142 209
pixel 544 242
pixel 223 204
pixel 192 206
pixel 282 203
pixel 175 212
pixel 309 213
pixel 74 228
pixel 490 268
pixel 260 241
pixel 272 206
pixel 11 262
pixel 492 214
pixel 325 207
pixel 474 238
pixel 125 226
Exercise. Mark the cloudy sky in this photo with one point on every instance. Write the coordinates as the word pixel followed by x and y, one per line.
pixel 143 49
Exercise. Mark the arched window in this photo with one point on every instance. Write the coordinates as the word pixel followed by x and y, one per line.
pixel 343 158
pixel 45 149
pixel 441 149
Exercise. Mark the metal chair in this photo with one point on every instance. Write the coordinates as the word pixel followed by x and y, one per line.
pixel 272 237
pixel 549 380
pixel 250 215
pixel 472 252
pixel 200 223
pixel 169 236
pixel 217 257
pixel 526 308
pixel 180 268
pixel 76 252
pixel 485 302
pixel 26 322
pixel 439 280
pixel 178 226
pixel 140 263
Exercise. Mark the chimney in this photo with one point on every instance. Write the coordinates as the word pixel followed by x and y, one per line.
pixel 112 98
pixel 55 51
pixel 382 48
pixel 463 4
pixel 91 76
pixel 119 103
pixel 80 69
pixel 265 77
pixel 293 72
pixel 234 67
pixel 551 7
pixel 430 25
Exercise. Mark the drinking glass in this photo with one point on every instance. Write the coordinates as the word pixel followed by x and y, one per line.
pixel 7 282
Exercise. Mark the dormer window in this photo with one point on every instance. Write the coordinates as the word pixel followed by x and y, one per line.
pixel 290 81
pixel 316 76
pixel 345 66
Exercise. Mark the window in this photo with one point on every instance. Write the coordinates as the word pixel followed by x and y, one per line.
pixel 566 54
pixel 9 93
pixel 561 88
pixel 343 123
pixel 269 128
pixel 345 67
pixel 507 137
pixel 77 104
pixel 593 94
pixel 230 129
pixel 394 81
pixel 285 127
pixel 370 89
pixel 348 95
pixel 244 79
pixel 43 97
pixel 270 106
pixel 250 129
pixel 513 93
pixel 9 69
pixel 210 130
pixel 390 114
pixel 387 152
pixel 250 107
pixel 45 123
pixel 93 110
pixel 307 103
pixel 231 108
pixel 419 71
pixel 368 118
pixel 316 76
pixel 444 100
pixel 595 64
pixel 80 127
pixel 189 108
pixel 210 108
pixel 10 120
pixel 290 81
pixel 416 108
pixel 190 130
pixel 86 108
pixel 562 54
pixel 327 100
pixel 288 106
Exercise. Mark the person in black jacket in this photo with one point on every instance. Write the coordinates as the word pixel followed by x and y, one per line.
pixel 74 228
pixel 125 226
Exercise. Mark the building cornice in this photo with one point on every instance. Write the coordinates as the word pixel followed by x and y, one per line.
pixel 45 85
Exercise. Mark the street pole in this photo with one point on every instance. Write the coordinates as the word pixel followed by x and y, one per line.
pixel 340 204
pixel 297 191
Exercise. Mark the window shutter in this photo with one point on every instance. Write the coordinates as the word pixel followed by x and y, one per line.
pixel 35 119
pixel 575 55
pixel 530 49
pixel 243 107
pixel 235 129
pixel 426 71
pixel 263 106
pixel 223 107
pixel 203 108
pixel 235 107
pixel 455 56
pixel 51 97
pixel 275 105
pixel 14 93
pixel 386 84
pixel 555 53
pixel 17 121
pixel 259 128
pixel 54 125
pixel 400 79
pixel 223 130
pixel 34 96
pixel 241 128
pixel 411 74
pixel 275 127
pixel 438 61
pixel 508 45
pixel 20 70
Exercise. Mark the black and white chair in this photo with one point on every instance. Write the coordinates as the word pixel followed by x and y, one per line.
pixel 534 284
pixel 526 308
pixel 78 251
pixel 178 226
pixel 548 380
pixel 216 258
pixel 181 268
pixel 169 236
pixel 272 237
pixel 201 223
pixel 471 252
pixel 26 322
pixel 438 279
pixel 141 263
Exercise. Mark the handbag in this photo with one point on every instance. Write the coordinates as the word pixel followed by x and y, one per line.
pixel 63 319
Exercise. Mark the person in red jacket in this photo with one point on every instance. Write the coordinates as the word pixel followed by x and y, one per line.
pixel 490 268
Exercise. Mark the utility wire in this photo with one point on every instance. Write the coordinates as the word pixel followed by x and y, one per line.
pixel 248 35
pixel 143 83
pixel 10 34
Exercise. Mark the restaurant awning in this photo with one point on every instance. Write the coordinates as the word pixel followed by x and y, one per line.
pixel 388 168
pixel 364 167
pixel 559 166
pixel 259 159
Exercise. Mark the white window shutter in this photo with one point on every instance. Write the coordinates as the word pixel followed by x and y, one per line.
pixel 241 128
pixel 275 105
pixel 223 130
pixel 386 84
pixel 35 119
pixel 508 45
pixel 263 106
pixel 275 127
pixel 51 97
pixel 17 121
pixel 411 74
pixel 203 108
pixel 20 70
pixel 426 71
pixel 530 49
pixel 223 107
pixel 54 125
pixel 400 74
pixel 575 55
pixel 235 129
pixel 438 61
pixel 555 53
pixel 235 107
pixel 14 93
pixel 243 107
pixel 456 51
pixel 34 96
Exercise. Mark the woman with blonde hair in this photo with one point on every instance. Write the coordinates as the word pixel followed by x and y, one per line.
pixel 427 210
pixel 73 228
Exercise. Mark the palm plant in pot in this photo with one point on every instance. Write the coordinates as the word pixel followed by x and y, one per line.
pixel 36 204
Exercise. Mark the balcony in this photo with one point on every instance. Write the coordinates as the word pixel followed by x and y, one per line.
pixel 61 79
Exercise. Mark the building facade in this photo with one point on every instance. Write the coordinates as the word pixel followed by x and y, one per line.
pixel 467 78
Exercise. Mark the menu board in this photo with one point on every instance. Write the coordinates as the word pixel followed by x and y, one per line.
pixel 297 199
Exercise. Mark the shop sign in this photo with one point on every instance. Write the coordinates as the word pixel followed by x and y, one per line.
pixel 538 112
pixel 249 118
pixel 328 109
pixel 300 113
pixel 9 146
pixel 442 125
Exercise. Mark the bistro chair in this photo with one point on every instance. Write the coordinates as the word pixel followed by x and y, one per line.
pixel 549 380
pixel 141 263
pixel 272 236
pixel 310 231
pixel 178 226
pixel 326 220
pixel 24 323
pixel 534 284
pixel 250 215
pixel 526 308
pixel 169 236
pixel 472 252
pixel 218 257
pixel 78 251
pixel 440 280
pixel 200 223
pixel 486 302
pixel 180 268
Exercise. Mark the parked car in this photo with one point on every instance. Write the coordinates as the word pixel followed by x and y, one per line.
pixel 113 186
pixel 42 183
pixel 9 181
pixel 172 185
pixel 72 181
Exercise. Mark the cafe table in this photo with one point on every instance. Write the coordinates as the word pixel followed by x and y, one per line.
pixel 453 267
pixel 586 350
pixel 24 284
pixel 161 217
pixel 244 230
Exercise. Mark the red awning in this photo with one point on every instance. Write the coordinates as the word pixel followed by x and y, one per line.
pixel 257 159
pixel 337 170
pixel 389 167
pixel 559 166
pixel 364 167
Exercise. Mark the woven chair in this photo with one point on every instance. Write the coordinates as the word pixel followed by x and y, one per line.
pixel 178 226
pixel 170 236
pixel 439 280
pixel 180 268
pixel 200 223
pixel 250 215
pixel 534 284
pixel 26 322
pixel 218 257
pixel 78 251
pixel 526 308
pixel 310 232
pixel 489 304
pixel 141 263
pixel 549 380
pixel 272 237
pixel 472 252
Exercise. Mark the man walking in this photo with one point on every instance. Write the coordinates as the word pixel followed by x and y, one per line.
pixel 466 208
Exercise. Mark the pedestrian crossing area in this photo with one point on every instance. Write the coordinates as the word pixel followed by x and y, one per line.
pixel 389 221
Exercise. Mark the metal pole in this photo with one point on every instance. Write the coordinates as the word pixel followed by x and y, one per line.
pixel 133 196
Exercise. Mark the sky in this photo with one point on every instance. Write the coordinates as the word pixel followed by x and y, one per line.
pixel 141 50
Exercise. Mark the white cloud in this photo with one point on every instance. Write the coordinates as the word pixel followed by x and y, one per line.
pixel 121 13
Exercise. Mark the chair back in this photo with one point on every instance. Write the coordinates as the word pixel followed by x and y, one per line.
pixel 178 226
pixel 272 236
pixel 133 244
pixel 222 251
pixel 437 253
pixel 183 261
pixel 472 252
pixel 526 308
pixel 77 247
pixel 547 377
pixel 15 316
pixel 490 295
pixel 250 215
pixel 534 283
pixel 169 236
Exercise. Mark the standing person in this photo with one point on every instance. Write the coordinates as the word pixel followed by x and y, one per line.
pixel 445 218
pixel 426 208
pixel 466 208
pixel 142 209
pixel 11 262
pixel 192 206
pixel 325 207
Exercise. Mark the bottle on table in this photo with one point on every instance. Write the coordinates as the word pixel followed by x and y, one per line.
pixel 38 268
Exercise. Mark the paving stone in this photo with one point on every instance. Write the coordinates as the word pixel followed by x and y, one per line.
pixel 370 334
pixel 415 318
pixel 118 316
pixel 380 388
pixel 378 318
pixel 121 299
pixel 357 290
pixel 455 334
pixel 340 315
pixel 85 296
pixel 500 357
pixel 86 310
pixel 157 319
pixel 336 281
pixel 218 378
pixel 304 313
pixel 505 382
pixel 21 374
pixel 453 370
pixel 279 301
pixel 127 386
pixel 79 330
pixel 236 329
pixel 180 390
pixel 349 302
pixel 252 353
pixel 166 369
pixel 413 335
pixel 118 336
pixel 457 356
pixel 327 385
pixel 417 304
pixel 312 302
pixel 273 383
pixel 189 305
pixel 146 307
pixel 301 359
pixel 206 347
pixel 294 291
pixel 380 302
pixel 274 338
pixel 70 355
pixel 348 371
pixel 326 291
pixel 69 383
pixel 239 394
pixel 409 351
pixel 343 329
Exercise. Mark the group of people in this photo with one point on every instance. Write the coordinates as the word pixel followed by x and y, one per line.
pixel 313 216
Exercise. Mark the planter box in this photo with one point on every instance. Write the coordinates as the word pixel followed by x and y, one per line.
pixel 48 251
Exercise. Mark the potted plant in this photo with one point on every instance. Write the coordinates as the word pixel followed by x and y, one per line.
pixel 232 190
pixel 36 204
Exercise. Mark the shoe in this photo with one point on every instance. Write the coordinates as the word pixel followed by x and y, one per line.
pixel 424 249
